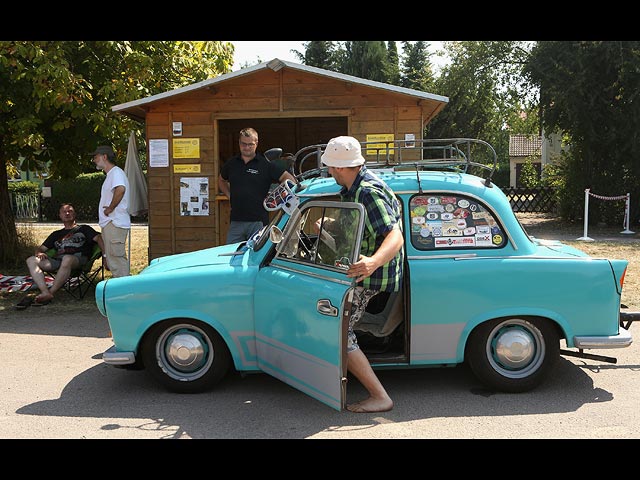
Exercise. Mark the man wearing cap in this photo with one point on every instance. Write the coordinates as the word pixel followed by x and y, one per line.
pixel 113 211
pixel 379 267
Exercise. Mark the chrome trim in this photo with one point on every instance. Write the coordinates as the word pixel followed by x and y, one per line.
pixel 306 272
pixel 473 256
pixel 622 340
pixel 437 257
pixel 112 357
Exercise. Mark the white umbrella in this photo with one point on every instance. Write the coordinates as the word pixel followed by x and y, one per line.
pixel 138 202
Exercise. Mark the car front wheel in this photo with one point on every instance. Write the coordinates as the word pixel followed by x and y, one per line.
pixel 185 356
pixel 513 354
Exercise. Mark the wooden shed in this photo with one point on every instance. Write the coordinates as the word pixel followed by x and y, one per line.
pixel 192 130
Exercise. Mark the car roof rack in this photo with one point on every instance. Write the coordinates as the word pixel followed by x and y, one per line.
pixel 452 154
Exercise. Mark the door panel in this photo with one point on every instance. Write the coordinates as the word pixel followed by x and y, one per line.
pixel 300 300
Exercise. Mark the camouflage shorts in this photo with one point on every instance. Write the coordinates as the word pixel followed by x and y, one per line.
pixel 361 297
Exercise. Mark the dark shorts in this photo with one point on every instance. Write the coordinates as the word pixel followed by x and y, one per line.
pixel 56 262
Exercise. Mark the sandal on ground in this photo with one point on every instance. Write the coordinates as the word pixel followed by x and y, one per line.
pixel 25 302
pixel 41 303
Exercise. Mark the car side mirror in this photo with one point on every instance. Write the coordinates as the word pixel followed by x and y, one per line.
pixel 275 235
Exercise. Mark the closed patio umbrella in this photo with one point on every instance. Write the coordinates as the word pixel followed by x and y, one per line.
pixel 138 203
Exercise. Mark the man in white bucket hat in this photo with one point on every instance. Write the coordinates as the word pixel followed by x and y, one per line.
pixel 379 267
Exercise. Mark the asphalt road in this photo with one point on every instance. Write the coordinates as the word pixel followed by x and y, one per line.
pixel 54 386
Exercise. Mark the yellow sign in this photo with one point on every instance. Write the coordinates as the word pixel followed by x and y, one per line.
pixel 380 147
pixel 186 168
pixel 186 148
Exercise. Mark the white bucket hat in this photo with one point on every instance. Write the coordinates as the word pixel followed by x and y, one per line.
pixel 342 152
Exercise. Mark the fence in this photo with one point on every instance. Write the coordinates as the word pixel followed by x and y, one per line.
pixel 532 200
pixel 25 206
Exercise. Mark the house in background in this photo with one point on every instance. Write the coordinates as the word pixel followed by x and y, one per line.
pixel 521 148
pixel 539 148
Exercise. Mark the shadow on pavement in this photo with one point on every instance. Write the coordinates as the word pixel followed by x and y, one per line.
pixel 258 406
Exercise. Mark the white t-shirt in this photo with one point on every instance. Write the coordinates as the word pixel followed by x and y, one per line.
pixel 120 216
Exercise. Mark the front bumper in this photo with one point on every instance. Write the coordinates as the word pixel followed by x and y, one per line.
pixel 113 357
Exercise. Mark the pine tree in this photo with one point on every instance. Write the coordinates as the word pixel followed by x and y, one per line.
pixel 319 54
pixel 417 71
pixel 393 74
pixel 366 59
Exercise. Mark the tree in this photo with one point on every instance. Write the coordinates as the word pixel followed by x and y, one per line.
pixel 56 99
pixel 529 175
pixel 393 74
pixel 485 85
pixel 366 59
pixel 417 71
pixel 319 54
pixel 590 91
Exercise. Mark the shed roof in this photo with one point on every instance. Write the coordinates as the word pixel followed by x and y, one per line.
pixel 135 109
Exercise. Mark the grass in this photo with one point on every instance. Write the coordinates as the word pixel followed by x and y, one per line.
pixel 609 243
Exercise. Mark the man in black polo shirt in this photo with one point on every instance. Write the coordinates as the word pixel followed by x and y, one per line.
pixel 246 179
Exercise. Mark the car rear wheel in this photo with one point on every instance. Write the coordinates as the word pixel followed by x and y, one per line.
pixel 185 356
pixel 513 354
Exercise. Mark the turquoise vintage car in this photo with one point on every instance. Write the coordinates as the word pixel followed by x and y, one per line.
pixel 477 288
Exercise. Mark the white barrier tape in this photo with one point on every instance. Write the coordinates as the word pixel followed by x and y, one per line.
pixel 20 283
pixel 620 197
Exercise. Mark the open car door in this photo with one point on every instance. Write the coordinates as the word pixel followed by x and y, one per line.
pixel 301 297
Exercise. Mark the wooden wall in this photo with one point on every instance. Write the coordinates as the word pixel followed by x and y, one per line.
pixel 289 109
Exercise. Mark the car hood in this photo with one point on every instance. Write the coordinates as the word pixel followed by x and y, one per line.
pixel 221 255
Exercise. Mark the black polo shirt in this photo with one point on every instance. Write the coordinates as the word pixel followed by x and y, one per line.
pixel 248 185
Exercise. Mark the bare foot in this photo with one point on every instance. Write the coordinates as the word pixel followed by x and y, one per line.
pixel 44 298
pixel 371 405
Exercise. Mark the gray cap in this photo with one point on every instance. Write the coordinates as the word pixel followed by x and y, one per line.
pixel 104 149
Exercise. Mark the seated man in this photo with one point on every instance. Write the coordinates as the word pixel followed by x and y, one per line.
pixel 73 245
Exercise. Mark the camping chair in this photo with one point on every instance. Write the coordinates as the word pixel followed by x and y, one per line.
pixel 82 279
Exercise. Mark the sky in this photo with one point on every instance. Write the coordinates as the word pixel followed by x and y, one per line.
pixel 251 51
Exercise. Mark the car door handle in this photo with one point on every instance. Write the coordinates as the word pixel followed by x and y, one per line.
pixel 325 308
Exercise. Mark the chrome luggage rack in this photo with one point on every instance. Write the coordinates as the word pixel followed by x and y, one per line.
pixel 455 154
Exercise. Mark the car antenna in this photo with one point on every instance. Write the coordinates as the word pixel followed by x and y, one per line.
pixel 418 178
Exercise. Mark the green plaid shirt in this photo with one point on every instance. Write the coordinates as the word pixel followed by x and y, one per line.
pixel 382 215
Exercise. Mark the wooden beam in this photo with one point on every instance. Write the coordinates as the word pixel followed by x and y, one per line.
pixel 287 114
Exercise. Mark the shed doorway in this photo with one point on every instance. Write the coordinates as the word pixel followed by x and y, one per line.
pixel 289 134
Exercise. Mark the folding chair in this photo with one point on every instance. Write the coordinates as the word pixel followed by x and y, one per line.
pixel 82 279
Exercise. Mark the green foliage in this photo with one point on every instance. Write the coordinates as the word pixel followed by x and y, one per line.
pixel 589 89
pixel 320 54
pixel 529 175
pixel 56 99
pixel 366 59
pixel 83 192
pixel 557 175
pixel 393 72
pixel 417 71
pixel 24 187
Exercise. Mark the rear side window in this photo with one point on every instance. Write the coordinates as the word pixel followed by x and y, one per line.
pixel 442 221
